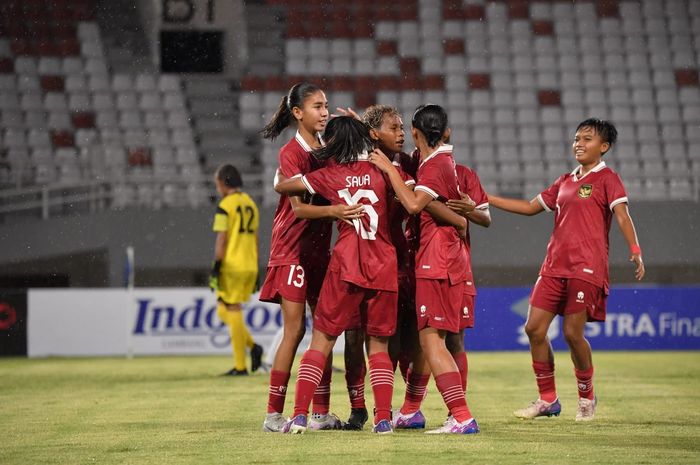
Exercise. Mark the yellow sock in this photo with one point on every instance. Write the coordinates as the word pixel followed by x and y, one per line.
pixel 238 338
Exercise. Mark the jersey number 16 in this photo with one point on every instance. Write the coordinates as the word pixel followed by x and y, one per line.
pixel 368 194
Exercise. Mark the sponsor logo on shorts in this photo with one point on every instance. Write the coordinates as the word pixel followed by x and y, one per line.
pixel 465 310
pixel 423 310
pixel 438 318
pixel 425 267
pixel 579 297
pixel 585 191
pixel 588 270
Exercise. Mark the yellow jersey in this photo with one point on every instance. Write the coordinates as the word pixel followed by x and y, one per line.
pixel 238 216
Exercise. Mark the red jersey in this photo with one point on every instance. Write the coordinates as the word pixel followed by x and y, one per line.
pixel 442 253
pixel 470 184
pixel 297 240
pixel 363 253
pixel 583 208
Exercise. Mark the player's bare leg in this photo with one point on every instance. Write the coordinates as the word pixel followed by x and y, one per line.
pixel 355 371
pixel 536 327
pixel 574 326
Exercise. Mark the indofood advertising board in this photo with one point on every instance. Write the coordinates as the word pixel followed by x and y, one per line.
pixel 87 322
pixel 141 322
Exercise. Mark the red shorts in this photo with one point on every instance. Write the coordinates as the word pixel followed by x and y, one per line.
pixel 343 305
pixel 467 319
pixel 565 296
pixel 440 305
pixel 284 281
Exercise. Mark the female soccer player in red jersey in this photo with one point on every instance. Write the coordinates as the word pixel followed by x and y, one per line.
pixel 359 289
pixel 441 260
pixel 573 280
pixel 299 249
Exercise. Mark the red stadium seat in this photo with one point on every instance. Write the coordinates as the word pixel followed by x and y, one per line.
pixel 62 139
pixel 22 47
pixel 518 9
pixel 549 97
pixel 479 81
pixel 7 65
pixel 543 28
pixel 250 82
pixel 365 99
pixel 68 47
pixel 52 83
pixel 139 156
pixel 474 13
pixel 387 47
pixel 453 47
pixel 607 9
pixel 83 119
pixel 433 82
pixel 686 77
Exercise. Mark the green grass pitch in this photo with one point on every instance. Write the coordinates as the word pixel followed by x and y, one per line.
pixel 176 410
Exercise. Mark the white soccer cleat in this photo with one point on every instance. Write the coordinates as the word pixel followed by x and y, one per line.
pixel 326 421
pixel 586 409
pixel 273 422
pixel 539 408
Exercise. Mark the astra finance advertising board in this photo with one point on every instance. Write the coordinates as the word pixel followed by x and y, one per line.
pixel 638 318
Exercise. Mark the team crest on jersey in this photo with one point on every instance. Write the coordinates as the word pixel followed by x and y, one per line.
pixel 585 191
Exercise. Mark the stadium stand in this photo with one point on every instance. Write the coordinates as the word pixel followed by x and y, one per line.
pixel 66 119
pixel 516 77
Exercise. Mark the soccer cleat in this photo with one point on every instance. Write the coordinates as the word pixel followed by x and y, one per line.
pixel 235 372
pixel 383 427
pixel 296 425
pixel 414 420
pixel 452 426
pixel 586 409
pixel 539 408
pixel 255 357
pixel 274 422
pixel 356 421
pixel 326 421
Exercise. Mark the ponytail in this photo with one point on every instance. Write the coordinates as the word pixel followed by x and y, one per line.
pixel 431 120
pixel 283 117
pixel 280 121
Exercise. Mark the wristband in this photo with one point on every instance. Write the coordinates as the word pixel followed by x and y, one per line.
pixel 216 268
pixel 635 249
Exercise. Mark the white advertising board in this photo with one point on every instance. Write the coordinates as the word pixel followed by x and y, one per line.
pixel 143 321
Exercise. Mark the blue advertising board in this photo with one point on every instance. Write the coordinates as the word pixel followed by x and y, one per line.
pixel 638 318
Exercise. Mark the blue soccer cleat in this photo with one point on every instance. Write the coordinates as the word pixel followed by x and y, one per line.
pixel 383 427
pixel 415 420
pixel 296 425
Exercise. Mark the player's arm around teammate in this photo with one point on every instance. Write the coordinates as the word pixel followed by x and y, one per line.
pixel 573 279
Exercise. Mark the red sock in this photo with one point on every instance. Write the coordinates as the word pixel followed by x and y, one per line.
pixel 381 377
pixel 450 387
pixel 463 367
pixel 584 379
pixel 309 377
pixel 415 392
pixel 544 373
pixel 322 395
pixel 355 380
pixel 278 391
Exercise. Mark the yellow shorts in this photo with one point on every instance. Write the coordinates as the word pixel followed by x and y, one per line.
pixel 235 287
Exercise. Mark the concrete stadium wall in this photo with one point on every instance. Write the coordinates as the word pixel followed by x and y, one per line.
pixel 175 247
